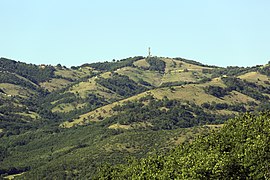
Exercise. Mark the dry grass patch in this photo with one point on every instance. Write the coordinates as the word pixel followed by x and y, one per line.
pixel 100 113
pixel 30 114
pixel 73 74
pixel 106 75
pixel 176 76
pixel 237 97
pixel 152 77
pixel 255 77
pixel 191 93
pixel 215 82
pixel 54 84
pixel 131 126
pixel 174 65
pixel 142 63
pixel 13 176
pixel 16 90
pixel 119 126
pixel 83 89
pixel 181 71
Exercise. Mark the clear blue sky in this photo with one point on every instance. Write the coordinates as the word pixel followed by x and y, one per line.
pixel 216 32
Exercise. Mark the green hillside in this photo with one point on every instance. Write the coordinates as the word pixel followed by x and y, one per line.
pixel 240 150
pixel 58 122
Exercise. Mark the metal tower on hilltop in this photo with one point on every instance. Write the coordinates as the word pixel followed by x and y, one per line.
pixel 149 52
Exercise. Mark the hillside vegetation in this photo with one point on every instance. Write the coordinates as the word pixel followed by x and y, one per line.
pixel 58 122
pixel 240 150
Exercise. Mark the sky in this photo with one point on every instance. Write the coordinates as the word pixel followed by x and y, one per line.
pixel 214 32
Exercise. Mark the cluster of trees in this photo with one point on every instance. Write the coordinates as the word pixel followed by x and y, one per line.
pixel 232 71
pixel 235 84
pixel 240 150
pixel 193 62
pixel 15 115
pixel 6 77
pixel 251 89
pixel 121 84
pixel 111 66
pixel 91 102
pixel 216 91
pixel 220 106
pixel 265 70
pixel 29 71
pixel 162 114
pixel 156 64
pixel 61 97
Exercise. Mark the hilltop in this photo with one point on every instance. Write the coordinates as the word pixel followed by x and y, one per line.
pixel 105 111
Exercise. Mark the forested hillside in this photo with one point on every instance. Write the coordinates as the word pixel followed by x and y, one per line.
pixel 240 150
pixel 58 122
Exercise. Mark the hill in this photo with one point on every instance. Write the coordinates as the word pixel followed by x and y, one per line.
pixel 240 150
pixel 220 92
pixel 61 122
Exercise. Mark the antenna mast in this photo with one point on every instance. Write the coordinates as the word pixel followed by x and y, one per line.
pixel 149 52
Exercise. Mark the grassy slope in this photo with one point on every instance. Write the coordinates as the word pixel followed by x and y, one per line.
pixel 255 77
pixel 191 92
pixel 175 71
pixel 16 90
pixel 73 74
pixel 91 87
pixel 152 77
pixel 55 84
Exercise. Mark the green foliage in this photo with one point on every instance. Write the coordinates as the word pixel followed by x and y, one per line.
pixel 216 91
pixel 11 118
pixel 6 77
pixel 176 83
pixel 251 89
pixel 232 71
pixel 121 84
pixel 111 66
pixel 52 152
pixel 29 71
pixel 156 64
pixel 265 70
pixel 193 62
pixel 240 150
pixel 162 114
pixel 39 147
pixel 223 106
